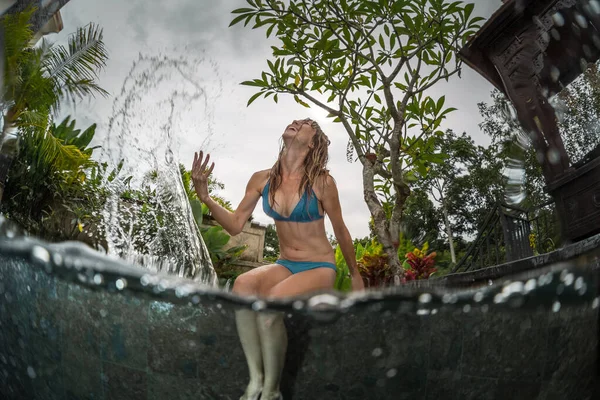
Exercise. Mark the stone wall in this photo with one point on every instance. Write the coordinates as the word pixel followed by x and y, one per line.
pixel 63 340
pixel 252 235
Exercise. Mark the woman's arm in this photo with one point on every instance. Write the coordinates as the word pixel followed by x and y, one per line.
pixel 232 222
pixel 331 205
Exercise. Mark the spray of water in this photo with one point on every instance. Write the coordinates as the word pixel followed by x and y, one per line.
pixel 148 220
pixel 514 170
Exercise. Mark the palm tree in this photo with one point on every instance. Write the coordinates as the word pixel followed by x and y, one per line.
pixel 38 78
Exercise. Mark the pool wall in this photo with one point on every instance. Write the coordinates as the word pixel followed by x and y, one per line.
pixel 63 340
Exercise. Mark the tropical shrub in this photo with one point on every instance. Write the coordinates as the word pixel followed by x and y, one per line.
pixel 419 264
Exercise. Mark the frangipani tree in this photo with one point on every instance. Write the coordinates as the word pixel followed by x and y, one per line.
pixel 369 64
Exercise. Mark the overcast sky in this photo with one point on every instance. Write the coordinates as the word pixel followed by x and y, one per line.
pixel 213 113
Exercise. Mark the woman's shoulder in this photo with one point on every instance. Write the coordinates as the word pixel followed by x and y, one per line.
pixel 259 179
pixel 324 179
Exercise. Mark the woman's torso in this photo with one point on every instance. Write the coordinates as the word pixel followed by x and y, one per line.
pixel 301 226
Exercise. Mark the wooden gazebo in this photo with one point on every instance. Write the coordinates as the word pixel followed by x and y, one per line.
pixel 531 50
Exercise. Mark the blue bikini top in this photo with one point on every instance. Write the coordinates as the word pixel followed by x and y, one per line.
pixel 301 213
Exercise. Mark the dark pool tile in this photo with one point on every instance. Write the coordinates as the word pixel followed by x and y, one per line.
pixel 505 344
pixel 15 383
pixel 82 374
pixel 122 383
pixel 126 323
pixel 443 385
pixel 49 382
pixel 575 389
pixel 517 390
pixel 175 354
pixel 162 387
pixel 403 386
pixel 476 388
pixel 523 350
pixel 446 342
pixel 572 352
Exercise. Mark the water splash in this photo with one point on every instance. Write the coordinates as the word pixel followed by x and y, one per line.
pixel 514 170
pixel 148 220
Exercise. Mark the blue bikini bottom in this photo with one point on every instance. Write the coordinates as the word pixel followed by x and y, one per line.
pixel 299 266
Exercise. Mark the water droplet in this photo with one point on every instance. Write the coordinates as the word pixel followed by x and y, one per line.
pixel 377 352
pixel 145 280
pixel 259 305
pixel 449 298
pixel 57 259
pixel 169 156
pixel 553 156
pixel 513 287
pixel 425 298
pixel 560 289
pixel 568 279
pixel 121 283
pixel 434 311
pixel 555 34
pixel 323 300
pixel 554 73
pixel 195 299
pixel 298 305
pixel 423 311
pixel 103 313
pixel 31 372
pixel 581 20
pixel 98 279
pixel 466 308
pixel 40 254
pixel 478 297
pixel 596 302
pixel 556 306
pixel 499 298
pixel 558 19
pixel 391 373
pixel 583 64
pixel 530 285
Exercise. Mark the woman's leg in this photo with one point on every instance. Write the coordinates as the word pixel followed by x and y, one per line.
pixel 271 327
pixel 253 283
pixel 273 336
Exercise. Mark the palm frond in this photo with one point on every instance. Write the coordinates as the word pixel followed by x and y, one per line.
pixel 75 68
pixel 17 37
pixel 49 154
pixel 67 132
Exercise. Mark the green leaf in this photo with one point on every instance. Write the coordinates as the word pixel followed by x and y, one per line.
pixel 299 101
pixel 254 97
pixel 237 19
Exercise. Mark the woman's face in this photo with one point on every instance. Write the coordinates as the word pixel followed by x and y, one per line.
pixel 300 131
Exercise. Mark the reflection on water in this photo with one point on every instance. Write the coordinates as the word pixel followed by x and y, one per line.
pixel 79 325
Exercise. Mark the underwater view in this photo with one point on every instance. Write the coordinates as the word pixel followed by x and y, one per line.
pixel 300 199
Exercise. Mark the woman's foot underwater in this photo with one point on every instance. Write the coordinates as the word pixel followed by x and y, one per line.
pixel 252 393
pixel 271 396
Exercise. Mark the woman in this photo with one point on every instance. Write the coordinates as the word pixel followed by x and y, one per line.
pixel 297 192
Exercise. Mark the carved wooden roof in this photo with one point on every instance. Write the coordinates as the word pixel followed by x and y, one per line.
pixel 563 31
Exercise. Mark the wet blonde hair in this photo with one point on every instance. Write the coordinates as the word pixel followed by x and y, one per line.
pixel 315 163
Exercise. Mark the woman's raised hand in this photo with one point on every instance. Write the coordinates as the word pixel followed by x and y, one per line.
pixel 200 175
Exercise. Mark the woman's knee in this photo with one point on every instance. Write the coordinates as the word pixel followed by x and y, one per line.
pixel 245 284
